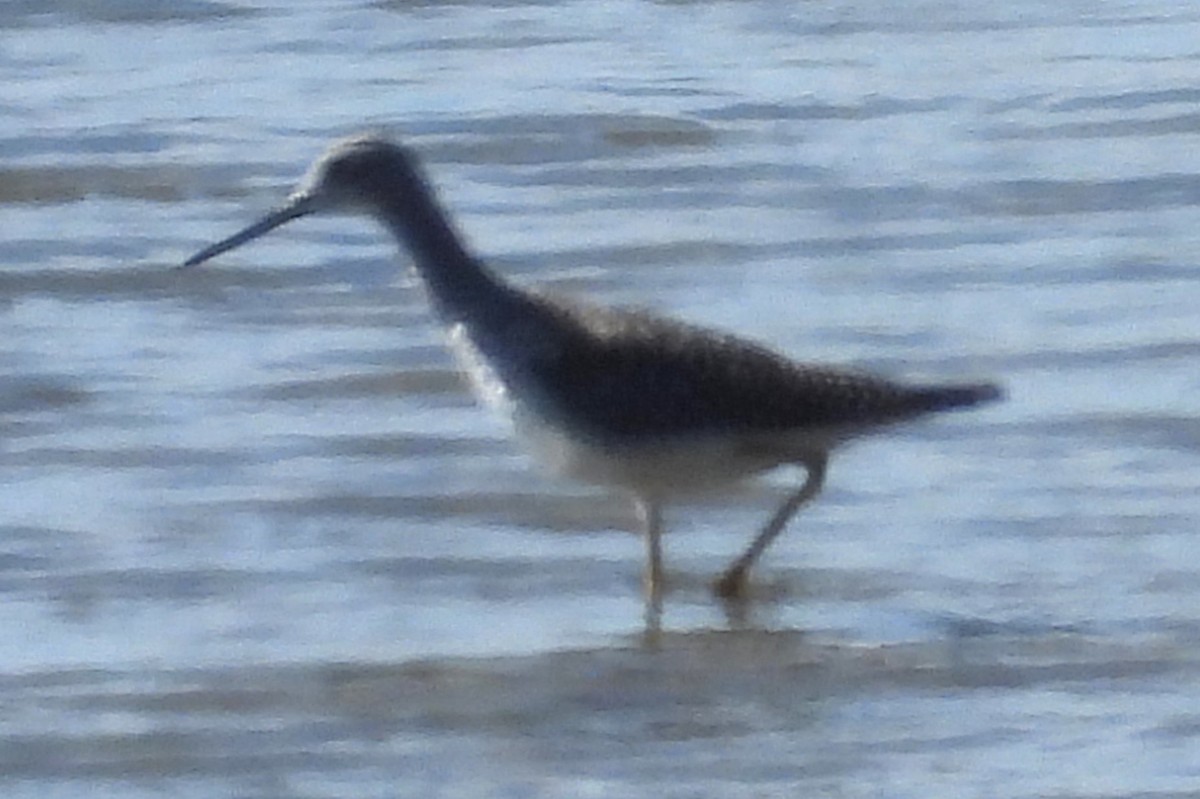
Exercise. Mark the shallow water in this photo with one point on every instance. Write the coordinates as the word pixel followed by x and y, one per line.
pixel 257 540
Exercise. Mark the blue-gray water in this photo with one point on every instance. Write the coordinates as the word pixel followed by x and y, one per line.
pixel 256 540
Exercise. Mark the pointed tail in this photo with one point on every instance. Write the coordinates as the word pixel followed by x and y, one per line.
pixel 945 398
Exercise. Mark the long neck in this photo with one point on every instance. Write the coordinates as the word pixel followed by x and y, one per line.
pixel 459 285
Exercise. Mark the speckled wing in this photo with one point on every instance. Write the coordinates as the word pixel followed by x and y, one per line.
pixel 635 376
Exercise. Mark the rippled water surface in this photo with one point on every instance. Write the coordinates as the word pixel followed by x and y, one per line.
pixel 257 540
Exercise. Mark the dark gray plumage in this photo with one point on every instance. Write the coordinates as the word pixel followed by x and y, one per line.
pixel 690 380
pixel 619 397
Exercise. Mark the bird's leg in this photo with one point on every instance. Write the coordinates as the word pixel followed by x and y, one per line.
pixel 650 513
pixel 732 584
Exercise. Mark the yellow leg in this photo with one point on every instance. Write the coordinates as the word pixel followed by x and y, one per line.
pixel 650 513
pixel 732 584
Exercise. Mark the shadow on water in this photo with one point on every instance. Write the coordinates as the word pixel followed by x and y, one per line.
pixel 771 699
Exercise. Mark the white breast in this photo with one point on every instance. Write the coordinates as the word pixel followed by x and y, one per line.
pixel 660 467
pixel 485 381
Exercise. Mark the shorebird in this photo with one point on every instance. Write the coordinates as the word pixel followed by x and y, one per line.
pixel 622 398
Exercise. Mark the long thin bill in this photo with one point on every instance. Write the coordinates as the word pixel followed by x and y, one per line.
pixel 300 206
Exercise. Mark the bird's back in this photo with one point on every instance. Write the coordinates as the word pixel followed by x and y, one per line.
pixel 625 376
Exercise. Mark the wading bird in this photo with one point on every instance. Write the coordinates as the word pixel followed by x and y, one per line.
pixel 621 398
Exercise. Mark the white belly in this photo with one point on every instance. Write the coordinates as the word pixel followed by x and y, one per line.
pixel 658 467
pixel 662 468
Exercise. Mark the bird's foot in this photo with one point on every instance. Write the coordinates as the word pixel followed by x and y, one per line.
pixel 733 585
pixel 652 587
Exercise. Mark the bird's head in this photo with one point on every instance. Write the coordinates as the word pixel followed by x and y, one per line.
pixel 355 175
